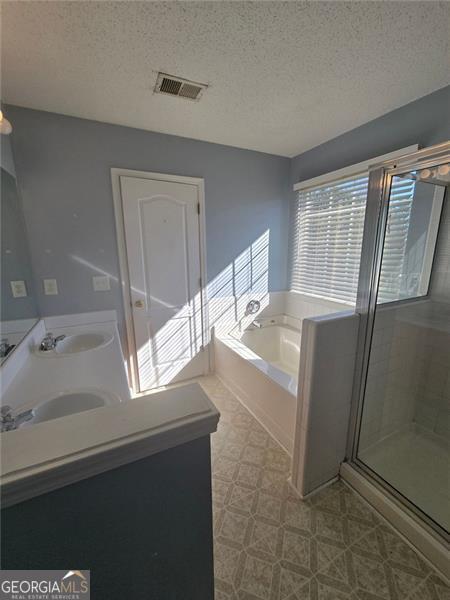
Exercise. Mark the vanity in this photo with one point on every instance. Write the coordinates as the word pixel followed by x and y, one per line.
pixel 98 480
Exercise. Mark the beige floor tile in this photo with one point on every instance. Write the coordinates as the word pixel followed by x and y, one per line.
pixel 257 577
pixel 263 539
pixel 298 515
pixel 268 506
pixel 224 468
pixel 248 475
pixel 233 527
pixel 226 562
pixel 270 545
pixel 242 498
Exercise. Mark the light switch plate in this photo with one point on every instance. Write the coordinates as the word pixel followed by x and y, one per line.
pixel 50 287
pixel 101 283
pixel 19 289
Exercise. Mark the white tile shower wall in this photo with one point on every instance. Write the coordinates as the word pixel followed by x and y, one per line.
pixel 431 370
pixel 302 306
pixel 433 396
pixel 388 403
pixel 409 371
pixel 328 352
pixel 226 311
pixel 226 308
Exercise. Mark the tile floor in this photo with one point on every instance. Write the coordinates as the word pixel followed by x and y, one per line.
pixel 269 545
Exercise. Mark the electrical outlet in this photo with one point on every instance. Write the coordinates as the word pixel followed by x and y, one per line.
pixel 50 287
pixel 101 283
pixel 19 289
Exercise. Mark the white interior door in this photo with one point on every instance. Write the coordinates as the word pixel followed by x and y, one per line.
pixel 161 224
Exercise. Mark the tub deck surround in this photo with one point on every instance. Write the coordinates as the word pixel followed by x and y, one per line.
pixel 276 343
pixel 272 405
pixel 274 347
pixel 260 366
pixel 50 455
pixel 328 354
pixel 227 311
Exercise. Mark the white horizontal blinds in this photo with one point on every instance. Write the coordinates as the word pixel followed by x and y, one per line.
pixel 393 283
pixel 327 237
pixel 327 234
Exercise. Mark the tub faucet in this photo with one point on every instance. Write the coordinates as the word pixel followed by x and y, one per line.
pixel 256 324
pixel 252 307
pixel 8 422
pixel 49 342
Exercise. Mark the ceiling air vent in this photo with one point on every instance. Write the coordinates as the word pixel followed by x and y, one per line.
pixel 177 86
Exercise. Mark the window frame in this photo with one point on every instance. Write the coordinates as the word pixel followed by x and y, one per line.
pixel 333 178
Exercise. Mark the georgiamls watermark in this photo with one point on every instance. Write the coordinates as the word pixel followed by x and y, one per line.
pixel 45 585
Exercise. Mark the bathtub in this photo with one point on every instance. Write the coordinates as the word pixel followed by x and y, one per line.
pixel 260 366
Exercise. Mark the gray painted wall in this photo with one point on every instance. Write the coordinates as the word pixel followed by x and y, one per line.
pixel 63 168
pixel 425 122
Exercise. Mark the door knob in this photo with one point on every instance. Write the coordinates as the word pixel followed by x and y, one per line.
pixel 139 304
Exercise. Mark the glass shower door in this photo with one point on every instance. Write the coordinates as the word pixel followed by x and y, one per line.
pixel 403 437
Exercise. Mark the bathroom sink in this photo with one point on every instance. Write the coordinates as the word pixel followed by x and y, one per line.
pixel 69 403
pixel 82 342
pixel 73 344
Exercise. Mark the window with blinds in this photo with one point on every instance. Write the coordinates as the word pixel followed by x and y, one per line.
pixel 395 273
pixel 326 239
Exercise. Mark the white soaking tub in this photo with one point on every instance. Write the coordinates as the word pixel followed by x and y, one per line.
pixel 279 346
pixel 260 365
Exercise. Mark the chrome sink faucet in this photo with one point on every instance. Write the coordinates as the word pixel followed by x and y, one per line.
pixel 8 422
pixel 5 347
pixel 50 342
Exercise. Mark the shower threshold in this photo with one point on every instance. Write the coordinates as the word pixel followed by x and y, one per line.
pixel 414 461
pixel 415 531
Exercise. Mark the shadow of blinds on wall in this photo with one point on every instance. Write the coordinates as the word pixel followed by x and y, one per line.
pixel 326 239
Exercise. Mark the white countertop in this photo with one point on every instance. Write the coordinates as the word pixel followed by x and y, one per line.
pixel 49 455
pixel 40 377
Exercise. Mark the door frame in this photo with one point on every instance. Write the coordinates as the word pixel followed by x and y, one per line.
pixel 124 276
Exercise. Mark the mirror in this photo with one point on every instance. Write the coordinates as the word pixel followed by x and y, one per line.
pixel 18 307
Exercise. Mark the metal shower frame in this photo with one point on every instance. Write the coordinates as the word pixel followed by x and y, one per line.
pixel 380 178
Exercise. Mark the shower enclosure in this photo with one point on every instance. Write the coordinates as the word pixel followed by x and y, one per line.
pixel 400 426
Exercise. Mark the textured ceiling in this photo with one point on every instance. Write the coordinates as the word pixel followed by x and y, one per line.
pixel 284 76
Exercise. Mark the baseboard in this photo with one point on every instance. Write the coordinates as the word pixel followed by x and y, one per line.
pixel 314 491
